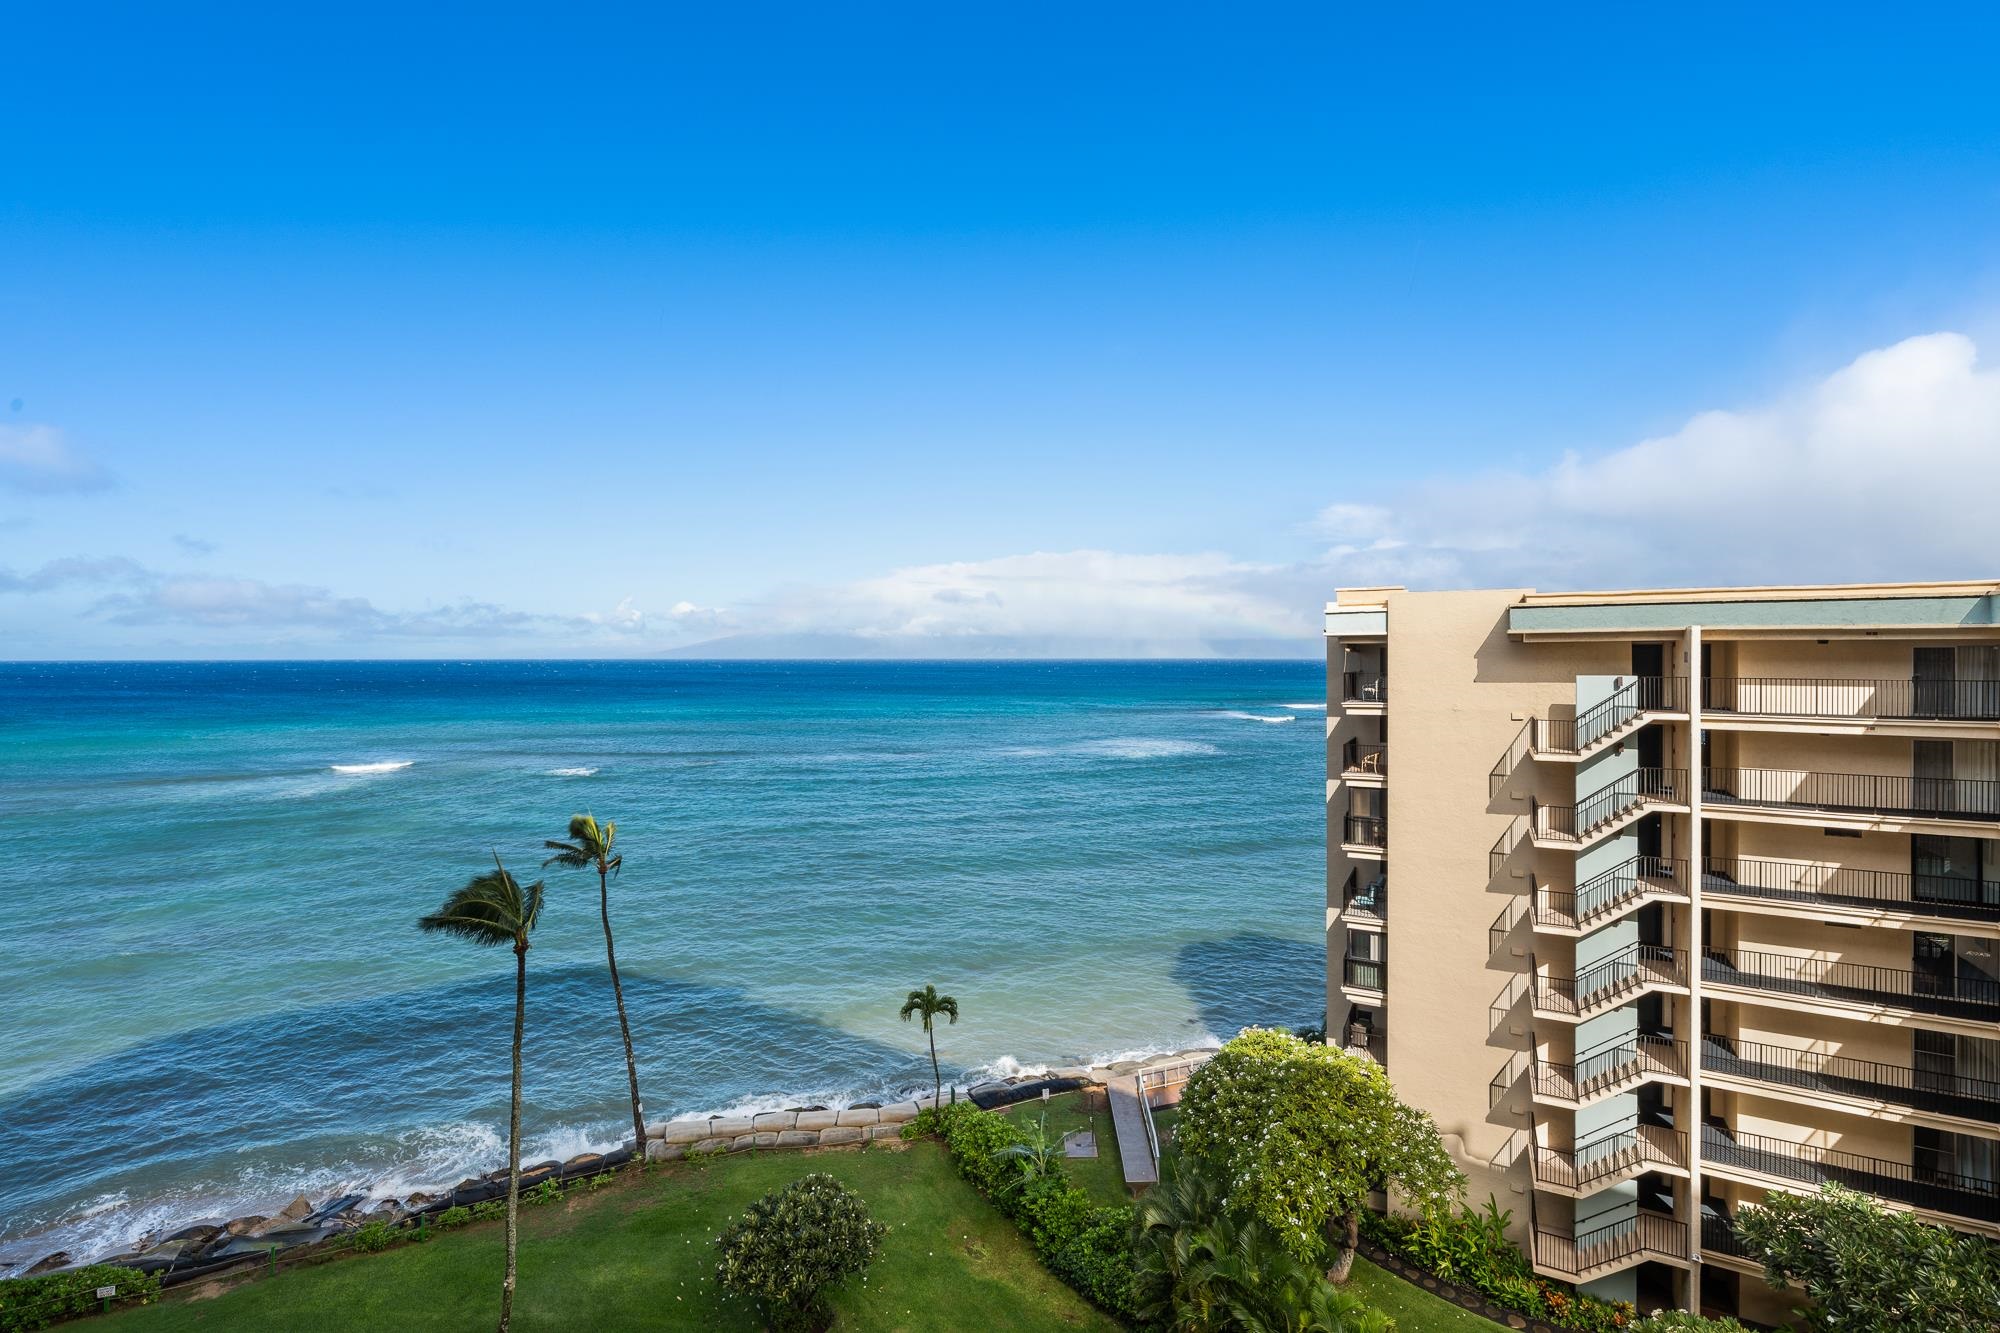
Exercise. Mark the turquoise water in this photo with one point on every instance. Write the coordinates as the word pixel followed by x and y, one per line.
pixel 216 994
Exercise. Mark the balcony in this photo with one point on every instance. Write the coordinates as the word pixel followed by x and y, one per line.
pixel 1805 697
pixel 1604 1071
pixel 1364 759
pixel 1363 689
pixel 1619 1152
pixel 1365 902
pixel 1619 979
pixel 1866 794
pixel 1365 833
pixel 1812 884
pixel 1842 1076
pixel 1606 1249
pixel 1944 994
pixel 1718 1236
pixel 1614 893
pixel 1364 975
pixel 1611 807
pixel 1927 1185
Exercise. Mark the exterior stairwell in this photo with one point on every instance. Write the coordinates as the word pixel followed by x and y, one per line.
pixel 1602 1251
pixel 1636 970
pixel 1605 1071
pixel 1618 1153
pixel 1609 808
pixel 1610 895
pixel 1565 740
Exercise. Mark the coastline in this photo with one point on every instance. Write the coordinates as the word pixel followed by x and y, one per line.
pixel 320 1204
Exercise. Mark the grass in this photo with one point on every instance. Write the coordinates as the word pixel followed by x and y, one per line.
pixel 1414 1309
pixel 639 1253
pixel 1102 1176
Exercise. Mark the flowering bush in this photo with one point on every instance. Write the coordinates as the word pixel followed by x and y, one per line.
pixel 793 1244
pixel 1472 1249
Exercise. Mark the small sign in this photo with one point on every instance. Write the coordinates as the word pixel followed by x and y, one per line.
pixel 106 1293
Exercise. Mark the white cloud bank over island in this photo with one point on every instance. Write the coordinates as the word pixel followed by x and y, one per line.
pixel 1886 469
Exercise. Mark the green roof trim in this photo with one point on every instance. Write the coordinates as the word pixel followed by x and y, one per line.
pixel 1791 613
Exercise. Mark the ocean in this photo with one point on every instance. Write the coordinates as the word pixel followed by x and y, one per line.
pixel 215 994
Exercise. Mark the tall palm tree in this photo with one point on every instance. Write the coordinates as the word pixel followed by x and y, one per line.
pixel 491 910
pixel 590 847
pixel 928 1004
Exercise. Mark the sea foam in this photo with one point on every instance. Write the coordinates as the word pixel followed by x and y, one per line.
pixel 571 772
pixel 387 766
pixel 1258 717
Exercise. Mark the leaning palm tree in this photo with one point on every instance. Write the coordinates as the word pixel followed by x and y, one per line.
pixel 589 847
pixel 494 909
pixel 928 1004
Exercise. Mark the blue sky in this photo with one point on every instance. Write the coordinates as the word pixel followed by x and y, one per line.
pixel 1035 329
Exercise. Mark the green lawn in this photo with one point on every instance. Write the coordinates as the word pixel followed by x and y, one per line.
pixel 1414 1309
pixel 639 1254
pixel 1103 1175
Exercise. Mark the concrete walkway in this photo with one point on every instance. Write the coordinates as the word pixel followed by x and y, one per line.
pixel 1128 1118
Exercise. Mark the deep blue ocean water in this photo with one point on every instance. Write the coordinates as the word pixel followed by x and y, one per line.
pixel 214 992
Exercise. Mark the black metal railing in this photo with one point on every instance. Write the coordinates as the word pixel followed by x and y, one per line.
pixel 1364 687
pixel 1369 899
pixel 1792 696
pixel 1853 793
pixel 1635 790
pixel 1626 1146
pixel 1366 831
pixel 1607 893
pixel 1365 974
pixel 1822 885
pixel 1718 1236
pixel 1606 982
pixel 1958 994
pixel 1636 698
pixel 1503 768
pixel 1928 1183
pixel 1638 1235
pixel 1359 756
pixel 1847 1076
pixel 1505 846
pixel 1609 1066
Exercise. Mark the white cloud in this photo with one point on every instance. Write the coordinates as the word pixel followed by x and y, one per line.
pixel 37 459
pixel 1889 468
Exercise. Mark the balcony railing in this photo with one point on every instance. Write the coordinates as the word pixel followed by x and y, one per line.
pixel 1945 700
pixel 1604 895
pixel 1853 793
pixel 1718 1236
pixel 1506 845
pixel 1370 899
pixel 1365 974
pixel 1846 1076
pixel 1929 1183
pixel 1364 757
pixel 1637 789
pixel 1364 687
pixel 1642 1235
pixel 1637 698
pixel 1624 1148
pixel 1608 1068
pixel 1948 994
pixel 1366 831
pixel 1819 885
pixel 1613 981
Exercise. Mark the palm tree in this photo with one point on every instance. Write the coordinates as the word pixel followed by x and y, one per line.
pixel 589 847
pixel 1039 1158
pixel 494 909
pixel 929 1004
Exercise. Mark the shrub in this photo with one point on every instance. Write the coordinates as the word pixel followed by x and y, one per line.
pixel 974 1139
pixel 487 1211
pixel 793 1244
pixel 456 1216
pixel 1053 1212
pixel 37 1302
pixel 1097 1260
pixel 546 1192
pixel 370 1237
pixel 1680 1321
pixel 1472 1249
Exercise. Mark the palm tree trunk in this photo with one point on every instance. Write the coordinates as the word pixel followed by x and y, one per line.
pixel 514 1137
pixel 624 1027
pixel 937 1079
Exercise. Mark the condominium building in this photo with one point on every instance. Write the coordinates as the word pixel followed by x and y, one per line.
pixel 1661 901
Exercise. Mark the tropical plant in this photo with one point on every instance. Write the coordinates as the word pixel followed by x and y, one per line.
pixel 929 1005
pixel 590 848
pixel 792 1245
pixel 1039 1156
pixel 1680 1321
pixel 36 1302
pixel 1866 1267
pixel 494 909
pixel 1306 1133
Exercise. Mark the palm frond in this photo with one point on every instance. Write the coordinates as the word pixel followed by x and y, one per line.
pixel 567 854
pixel 491 909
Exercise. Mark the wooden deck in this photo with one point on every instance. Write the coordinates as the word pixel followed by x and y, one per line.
pixel 1128 1118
